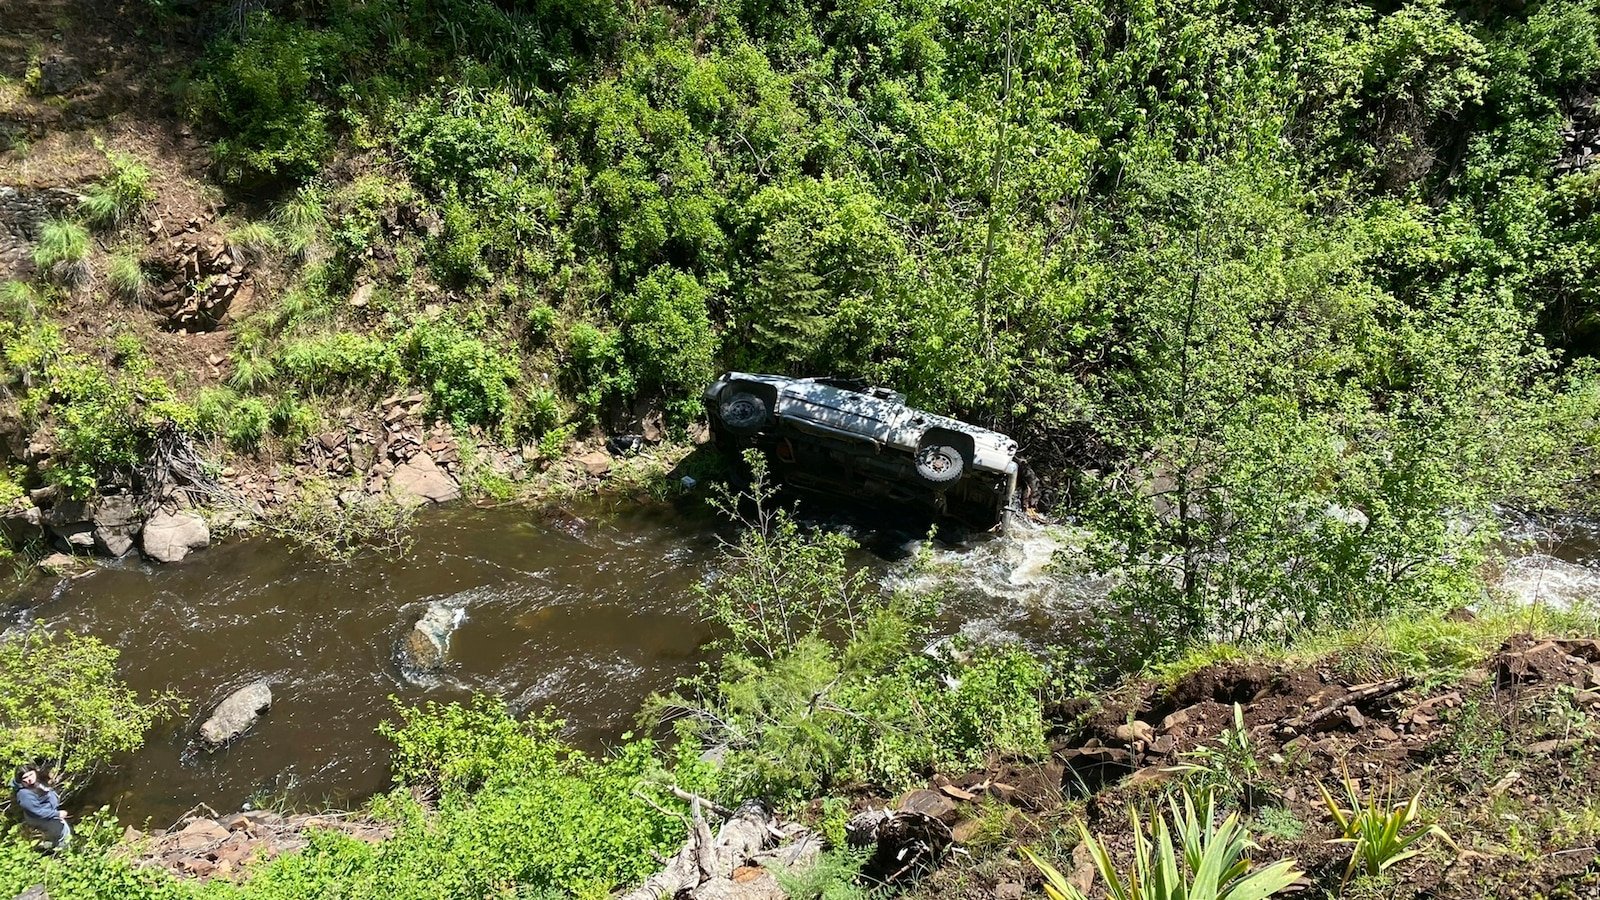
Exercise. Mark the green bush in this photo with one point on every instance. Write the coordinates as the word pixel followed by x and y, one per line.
pixel 263 95
pixel 823 686
pixel 667 332
pixel 62 700
pixel 339 359
pixel 103 421
pixel 468 381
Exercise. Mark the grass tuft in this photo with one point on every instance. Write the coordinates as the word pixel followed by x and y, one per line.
pixel 119 196
pixel 62 252
pixel 127 277
pixel 252 242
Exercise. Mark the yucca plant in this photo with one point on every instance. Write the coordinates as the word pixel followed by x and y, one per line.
pixel 1194 859
pixel 1380 832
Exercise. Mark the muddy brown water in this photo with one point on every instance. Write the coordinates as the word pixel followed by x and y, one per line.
pixel 587 620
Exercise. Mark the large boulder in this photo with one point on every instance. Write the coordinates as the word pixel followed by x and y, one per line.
pixel 116 521
pixel 68 521
pixel 170 536
pixel 234 715
pixel 420 480
pixel 425 646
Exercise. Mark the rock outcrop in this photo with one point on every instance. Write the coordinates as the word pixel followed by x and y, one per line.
pixel 170 536
pixel 115 521
pixel 427 644
pixel 420 480
pixel 236 714
pixel 222 847
pixel 202 281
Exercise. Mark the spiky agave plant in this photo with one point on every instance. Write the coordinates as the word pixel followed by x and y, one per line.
pixel 1195 858
pixel 1380 831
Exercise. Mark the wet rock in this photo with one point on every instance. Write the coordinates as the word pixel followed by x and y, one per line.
pixel 21 522
pixel 420 480
pixel 63 565
pixel 37 892
pixel 77 537
pixel 929 803
pixel 235 715
pixel 200 834
pixel 116 520
pixel 425 646
pixel 170 536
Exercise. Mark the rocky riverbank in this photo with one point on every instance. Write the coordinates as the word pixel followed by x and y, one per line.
pixel 391 456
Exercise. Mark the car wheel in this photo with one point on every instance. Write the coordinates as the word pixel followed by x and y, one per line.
pixel 743 412
pixel 939 464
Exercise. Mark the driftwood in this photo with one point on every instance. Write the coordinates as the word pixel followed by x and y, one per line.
pixel 1356 695
pixel 735 864
pixel 741 861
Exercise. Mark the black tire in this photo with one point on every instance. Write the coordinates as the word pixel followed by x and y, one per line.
pixel 940 464
pixel 743 413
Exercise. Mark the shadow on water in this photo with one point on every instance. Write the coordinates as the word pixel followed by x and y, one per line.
pixel 584 612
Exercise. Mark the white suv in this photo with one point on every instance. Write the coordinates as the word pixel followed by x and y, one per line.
pixel 841 437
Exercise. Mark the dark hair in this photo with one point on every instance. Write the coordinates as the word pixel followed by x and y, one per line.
pixel 30 767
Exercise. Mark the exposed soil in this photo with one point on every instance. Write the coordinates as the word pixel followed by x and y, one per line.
pixel 1504 758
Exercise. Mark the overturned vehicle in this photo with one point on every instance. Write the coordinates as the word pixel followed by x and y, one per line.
pixel 841 437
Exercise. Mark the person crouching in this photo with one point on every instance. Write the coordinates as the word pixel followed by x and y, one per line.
pixel 41 808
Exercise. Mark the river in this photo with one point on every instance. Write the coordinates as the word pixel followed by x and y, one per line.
pixel 585 614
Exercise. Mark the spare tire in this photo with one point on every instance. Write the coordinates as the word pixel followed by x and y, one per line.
pixel 939 463
pixel 743 412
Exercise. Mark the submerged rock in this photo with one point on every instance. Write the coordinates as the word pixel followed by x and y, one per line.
pixel 420 480
pixel 237 713
pixel 169 536
pixel 426 645
pixel 64 565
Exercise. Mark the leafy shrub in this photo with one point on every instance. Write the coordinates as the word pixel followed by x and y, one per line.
pixel 339 359
pixel 103 421
pixel 822 686
pixel 599 366
pixel 61 700
pixel 457 747
pixel 467 380
pixel 120 195
pixel 62 252
pixel 241 421
pixel 667 331
pixel 262 92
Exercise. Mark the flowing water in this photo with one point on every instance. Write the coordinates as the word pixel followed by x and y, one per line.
pixel 587 616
